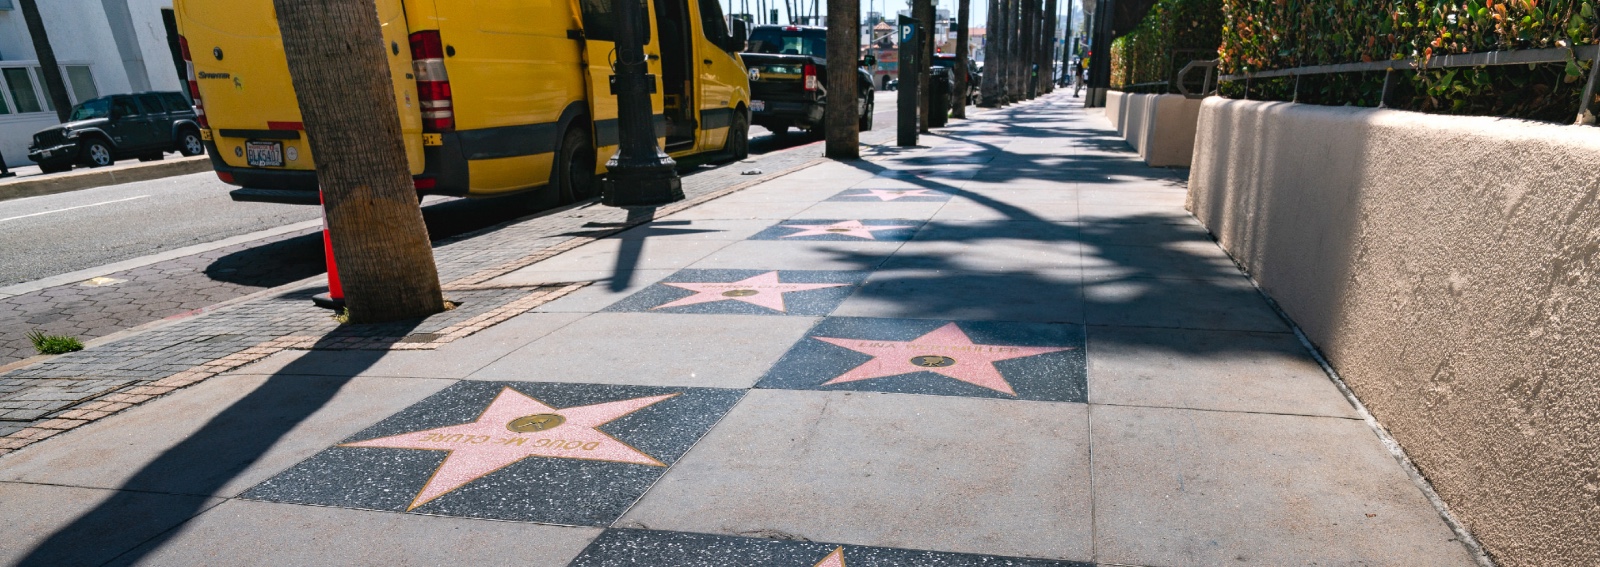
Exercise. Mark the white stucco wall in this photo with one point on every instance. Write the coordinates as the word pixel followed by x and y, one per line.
pixel 80 34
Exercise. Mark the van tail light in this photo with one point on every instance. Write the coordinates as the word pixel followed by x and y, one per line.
pixel 194 85
pixel 811 77
pixel 433 83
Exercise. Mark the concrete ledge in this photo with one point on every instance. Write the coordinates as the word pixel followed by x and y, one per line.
pixel 1160 127
pixel 99 177
pixel 1449 269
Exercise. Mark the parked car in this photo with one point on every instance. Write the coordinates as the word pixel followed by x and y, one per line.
pixel 788 68
pixel 109 128
pixel 948 61
pixel 891 85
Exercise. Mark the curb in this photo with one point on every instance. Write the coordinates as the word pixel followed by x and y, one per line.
pixel 91 178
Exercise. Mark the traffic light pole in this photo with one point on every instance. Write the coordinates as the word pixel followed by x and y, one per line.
pixel 640 174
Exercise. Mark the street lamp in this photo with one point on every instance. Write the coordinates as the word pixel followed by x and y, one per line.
pixel 640 175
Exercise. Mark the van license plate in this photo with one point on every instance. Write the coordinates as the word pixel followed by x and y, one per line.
pixel 263 154
pixel 758 106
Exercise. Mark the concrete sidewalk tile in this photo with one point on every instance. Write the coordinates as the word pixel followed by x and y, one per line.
pixel 982 231
pixel 620 547
pixel 1029 361
pixel 1211 370
pixel 976 208
pixel 891 470
pixel 695 230
pixel 1163 200
pixel 1136 234
pixel 63 525
pixel 1175 260
pixel 1217 304
pixel 1040 195
pixel 889 185
pixel 719 210
pixel 989 255
pixel 247 533
pixel 619 254
pixel 746 292
pixel 456 359
pixel 1051 296
pixel 869 209
pixel 1092 213
pixel 1183 487
pixel 841 230
pixel 216 438
pixel 571 454
pixel 726 351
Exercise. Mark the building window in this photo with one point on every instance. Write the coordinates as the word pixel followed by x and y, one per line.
pixel 20 84
pixel 82 83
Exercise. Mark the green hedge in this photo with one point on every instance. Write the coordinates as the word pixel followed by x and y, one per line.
pixel 1172 34
pixel 1261 35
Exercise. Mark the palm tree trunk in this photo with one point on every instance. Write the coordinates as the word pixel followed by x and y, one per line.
pixel 53 85
pixel 844 33
pixel 963 11
pixel 338 63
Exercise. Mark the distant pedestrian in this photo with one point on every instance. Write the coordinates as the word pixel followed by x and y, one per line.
pixel 1080 75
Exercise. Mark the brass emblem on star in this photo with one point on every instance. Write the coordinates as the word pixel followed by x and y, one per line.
pixel 932 361
pixel 536 422
pixel 739 293
pixel 839 230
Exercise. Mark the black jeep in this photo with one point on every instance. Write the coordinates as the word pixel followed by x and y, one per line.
pixel 788 68
pixel 109 128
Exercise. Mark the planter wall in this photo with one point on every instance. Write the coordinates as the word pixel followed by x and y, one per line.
pixel 1160 127
pixel 1449 268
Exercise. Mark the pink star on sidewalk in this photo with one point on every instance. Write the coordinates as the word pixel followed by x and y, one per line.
pixel 846 228
pixel 835 559
pixel 514 427
pixel 892 194
pixel 763 290
pixel 945 350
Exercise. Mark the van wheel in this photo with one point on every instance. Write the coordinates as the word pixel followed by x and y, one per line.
pixel 189 143
pixel 738 144
pixel 97 153
pixel 574 166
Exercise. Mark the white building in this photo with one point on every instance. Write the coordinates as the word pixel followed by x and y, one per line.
pixel 104 47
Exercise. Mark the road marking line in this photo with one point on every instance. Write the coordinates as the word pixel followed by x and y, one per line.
pixel 71 208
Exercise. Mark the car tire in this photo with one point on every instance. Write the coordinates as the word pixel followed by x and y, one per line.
pixel 56 168
pixel 738 145
pixel 864 124
pixel 97 153
pixel 189 143
pixel 573 175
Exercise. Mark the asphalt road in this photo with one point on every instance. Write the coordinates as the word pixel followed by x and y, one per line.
pixel 56 234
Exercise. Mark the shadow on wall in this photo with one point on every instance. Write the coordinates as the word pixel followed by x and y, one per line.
pixel 1449 268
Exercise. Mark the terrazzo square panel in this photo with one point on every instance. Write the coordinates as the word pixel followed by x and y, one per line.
pixel 902 195
pixel 898 230
pixel 630 547
pixel 809 293
pixel 573 454
pixel 1028 361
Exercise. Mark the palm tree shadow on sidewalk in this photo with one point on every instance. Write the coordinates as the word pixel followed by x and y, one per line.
pixel 185 479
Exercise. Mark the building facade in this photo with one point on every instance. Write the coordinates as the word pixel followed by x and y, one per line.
pixel 104 47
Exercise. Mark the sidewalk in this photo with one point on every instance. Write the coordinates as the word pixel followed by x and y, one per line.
pixel 1010 347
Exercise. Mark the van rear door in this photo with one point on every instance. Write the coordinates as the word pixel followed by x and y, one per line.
pixel 599 32
pixel 248 96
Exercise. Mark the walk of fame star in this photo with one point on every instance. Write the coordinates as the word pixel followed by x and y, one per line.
pixel 764 290
pixel 946 350
pixel 513 427
pixel 835 559
pixel 843 228
pixel 892 194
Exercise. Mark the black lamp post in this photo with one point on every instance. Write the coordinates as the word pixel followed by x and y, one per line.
pixel 641 175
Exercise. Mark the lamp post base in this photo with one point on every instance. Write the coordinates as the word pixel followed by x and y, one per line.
pixel 641 186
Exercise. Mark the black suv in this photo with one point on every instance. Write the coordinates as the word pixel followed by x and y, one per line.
pixel 788 68
pixel 103 130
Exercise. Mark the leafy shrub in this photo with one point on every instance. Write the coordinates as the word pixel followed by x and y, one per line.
pixel 53 344
pixel 1171 35
pixel 1260 35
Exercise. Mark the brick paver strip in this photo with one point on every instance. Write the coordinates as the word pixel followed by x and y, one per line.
pixel 44 399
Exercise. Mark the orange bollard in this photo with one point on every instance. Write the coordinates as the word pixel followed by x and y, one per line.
pixel 334 299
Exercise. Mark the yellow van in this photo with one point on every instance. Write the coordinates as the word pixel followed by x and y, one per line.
pixel 496 97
